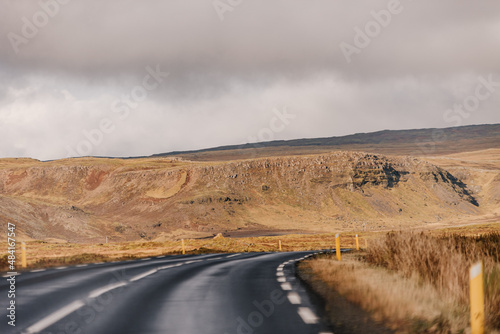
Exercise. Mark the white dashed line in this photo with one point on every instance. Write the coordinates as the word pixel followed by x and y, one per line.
pixel 54 317
pixel 148 258
pixel 170 266
pixel 81 265
pixel 215 258
pixel 194 261
pixel 286 286
pixel 227 257
pixel 59 268
pixel 280 273
pixel 307 315
pixel 281 279
pixel 38 270
pixel 294 298
pixel 147 273
pixel 7 275
pixel 160 257
pixel 98 292
pixel 99 263
pixel 279 269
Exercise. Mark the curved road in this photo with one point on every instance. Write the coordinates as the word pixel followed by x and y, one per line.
pixel 245 293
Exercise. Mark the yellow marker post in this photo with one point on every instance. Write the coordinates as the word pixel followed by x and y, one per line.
pixel 279 243
pixel 366 243
pixel 23 254
pixel 357 242
pixel 476 299
pixel 183 248
pixel 337 246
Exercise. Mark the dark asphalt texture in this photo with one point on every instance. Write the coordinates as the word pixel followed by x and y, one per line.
pixel 243 293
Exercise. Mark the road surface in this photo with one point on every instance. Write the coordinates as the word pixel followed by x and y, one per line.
pixel 245 293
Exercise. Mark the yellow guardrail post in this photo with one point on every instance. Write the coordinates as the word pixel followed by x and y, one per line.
pixel 23 255
pixel 183 248
pixel 476 299
pixel 337 246
pixel 279 244
pixel 357 242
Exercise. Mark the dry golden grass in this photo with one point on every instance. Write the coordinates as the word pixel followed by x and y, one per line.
pixel 417 282
pixel 444 262
pixel 404 304
pixel 44 254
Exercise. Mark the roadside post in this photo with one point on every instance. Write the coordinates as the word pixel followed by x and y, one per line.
pixel 279 245
pixel 183 248
pixel 476 299
pixel 337 246
pixel 357 242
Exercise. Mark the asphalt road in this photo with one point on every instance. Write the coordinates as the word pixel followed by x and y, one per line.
pixel 246 293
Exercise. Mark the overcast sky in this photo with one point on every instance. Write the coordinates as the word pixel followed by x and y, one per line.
pixel 89 77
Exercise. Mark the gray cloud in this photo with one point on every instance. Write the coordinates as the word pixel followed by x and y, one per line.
pixel 227 76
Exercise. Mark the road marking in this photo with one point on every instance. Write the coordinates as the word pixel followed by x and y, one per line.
pixel 147 273
pixel 280 273
pixel 215 258
pixel 99 263
pixel 59 268
pixel 279 269
pixel 38 270
pixel 307 315
pixel 148 258
pixel 98 292
pixel 227 257
pixel 7 275
pixel 81 265
pixel 281 266
pixel 281 279
pixel 193 261
pixel 286 286
pixel 54 317
pixel 170 266
pixel 160 257
pixel 294 298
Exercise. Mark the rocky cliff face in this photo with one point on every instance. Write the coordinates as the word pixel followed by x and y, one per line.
pixel 82 199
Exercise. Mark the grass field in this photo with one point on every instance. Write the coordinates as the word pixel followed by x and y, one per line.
pixel 415 282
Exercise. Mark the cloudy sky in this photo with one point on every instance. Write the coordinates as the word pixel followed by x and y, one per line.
pixel 125 78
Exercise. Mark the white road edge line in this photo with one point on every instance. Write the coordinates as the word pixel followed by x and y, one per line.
pixel 98 292
pixel 140 276
pixel 54 317
pixel 294 298
pixel 286 286
pixel 307 315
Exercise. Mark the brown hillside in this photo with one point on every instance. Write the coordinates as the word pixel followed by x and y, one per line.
pixel 84 199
